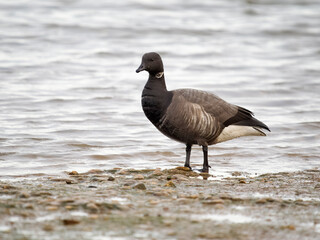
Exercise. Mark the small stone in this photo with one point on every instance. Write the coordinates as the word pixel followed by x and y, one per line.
pixel 195 196
pixel 172 233
pixel 129 183
pixel 180 177
pixel 289 227
pixel 48 227
pixel 59 179
pixel 123 172
pixel 157 172
pixel 153 202
pixel 261 201
pixel 225 196
pixel 52 208
pixel 126 187
pixel 214 201
pixel 70 222
pixel 69 207
pixel 242 181
pixel 92 207
pixel 236 174
pixel 111 178
pixel 24 195
pixel 153 182
pixel 95 171
pixel 69 181
pixel 93 216
pixel 138 177
pixel 73 173
pixel 183 201
pixel 219 206
pixel 8 187
pixel 28 206
pixel 183 169
pixel 97 179
pixel 170 184
pixel 140 186
pixel 111 206
pixel 92 186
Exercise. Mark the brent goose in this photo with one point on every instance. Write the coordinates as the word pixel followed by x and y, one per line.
pixel 192 116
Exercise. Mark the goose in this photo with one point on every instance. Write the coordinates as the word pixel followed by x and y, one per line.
pixel 192 116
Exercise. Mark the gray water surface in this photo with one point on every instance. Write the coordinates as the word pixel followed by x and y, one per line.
pixel 70 97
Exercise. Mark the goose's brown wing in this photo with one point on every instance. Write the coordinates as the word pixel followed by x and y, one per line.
pixel 188 121
pixel 226 113
pixel 212 104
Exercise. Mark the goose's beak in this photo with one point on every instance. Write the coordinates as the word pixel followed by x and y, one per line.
pixel 141 68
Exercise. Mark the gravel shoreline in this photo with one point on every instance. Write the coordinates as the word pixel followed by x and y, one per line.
pixel 161 204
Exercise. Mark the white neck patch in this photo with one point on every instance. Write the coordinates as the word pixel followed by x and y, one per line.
pixel 159 75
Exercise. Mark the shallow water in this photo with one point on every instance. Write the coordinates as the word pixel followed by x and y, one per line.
pixel 70 97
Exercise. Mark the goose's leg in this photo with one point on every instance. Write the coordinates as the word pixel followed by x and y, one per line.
pixel 205 159
pixel 188 153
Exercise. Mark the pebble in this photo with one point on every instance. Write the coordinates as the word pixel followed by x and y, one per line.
pixel 140 186
pixel 28 206
pixel 129 183
pixel 93 216
pixel 183 201
pixel 219 206
pixel 261 201
pixel 214 201
pixel 111 178
pixel 179 177
pixel 157 172
pixel 73 173
pixel 225 196
pixel 153 182
pixel 8 187
pixel 59 179
pixel 52 208
pixel 92 207
pixel 153 202
pixel 24 195
pixel 236 174
pixel 95 171
pixel 138 177
pixel 123 172
pixel 160 192
pixel 47 227
pixel 183 169
pixel 289 227
pixel 70 222
pixel 195 196
pixel 170 184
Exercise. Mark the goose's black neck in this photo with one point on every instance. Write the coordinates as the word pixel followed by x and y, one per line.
pixel 156 82
pixel 155 98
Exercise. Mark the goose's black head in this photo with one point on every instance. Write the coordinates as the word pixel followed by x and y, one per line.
pixel 152 63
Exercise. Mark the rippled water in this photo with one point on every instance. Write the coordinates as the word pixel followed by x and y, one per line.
pixel 70 97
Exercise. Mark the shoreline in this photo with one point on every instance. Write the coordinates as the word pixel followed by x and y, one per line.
pixel 161 204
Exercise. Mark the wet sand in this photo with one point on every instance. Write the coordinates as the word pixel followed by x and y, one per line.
pixel 161 204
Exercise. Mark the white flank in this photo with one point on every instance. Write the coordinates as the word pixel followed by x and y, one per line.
pixel 234 131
